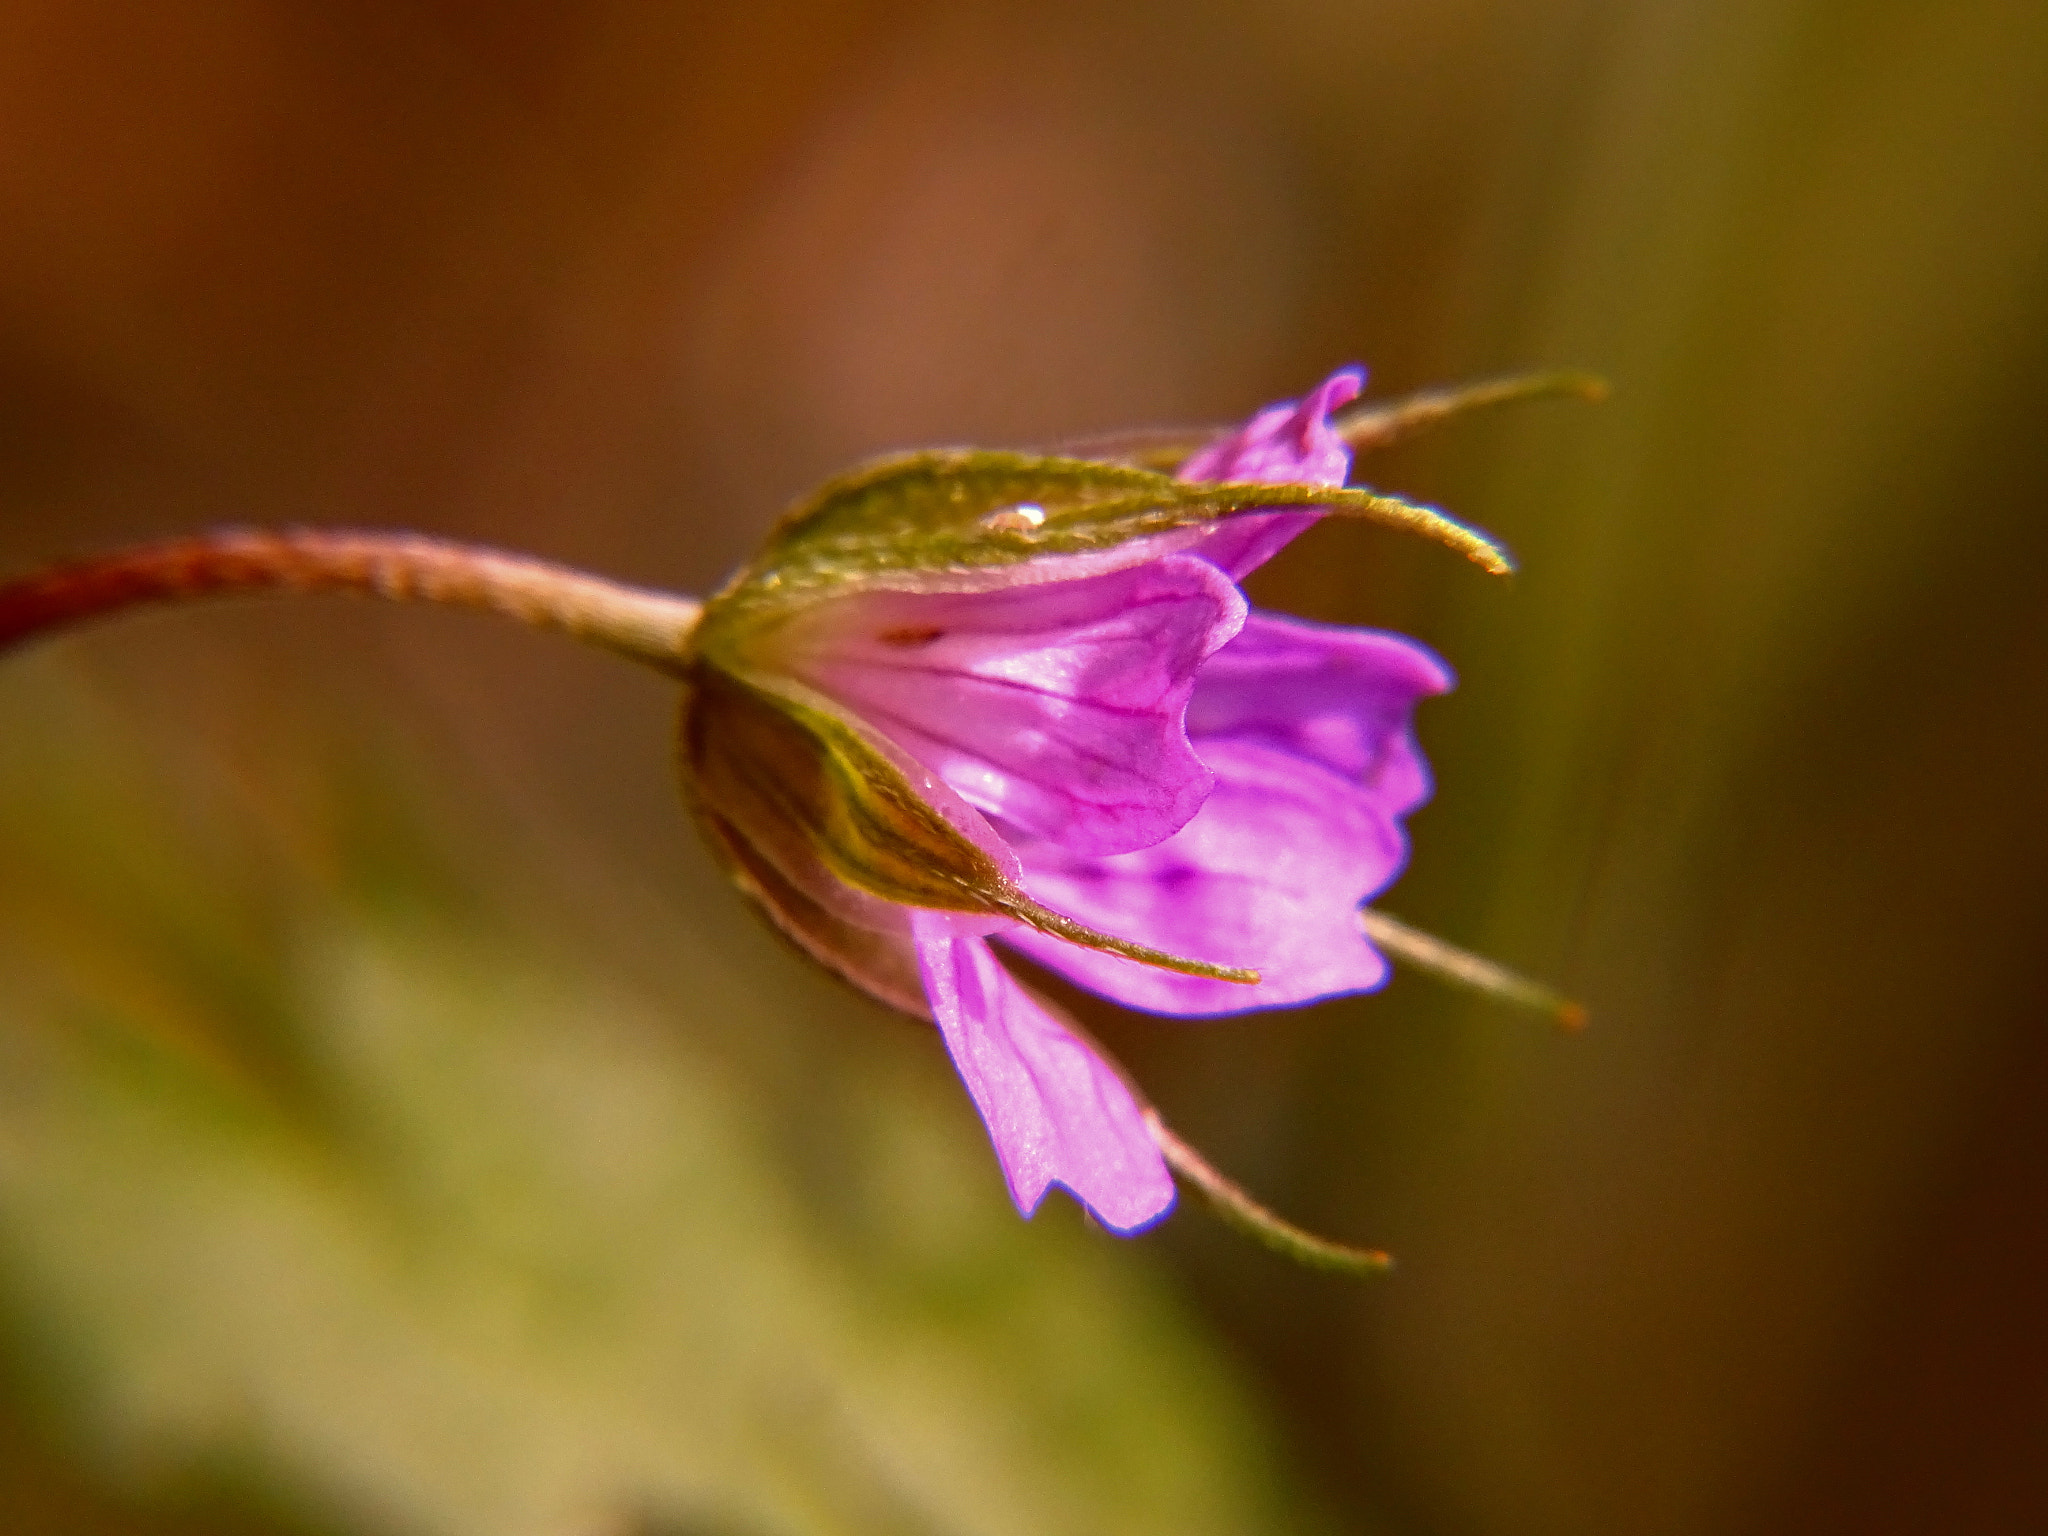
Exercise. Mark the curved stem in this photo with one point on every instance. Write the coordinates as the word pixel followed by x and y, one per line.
pixel 648 626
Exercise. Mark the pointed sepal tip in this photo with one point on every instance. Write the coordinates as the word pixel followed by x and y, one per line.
pixel 1240 1210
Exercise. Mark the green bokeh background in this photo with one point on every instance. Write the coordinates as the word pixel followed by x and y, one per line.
pixel 401 1129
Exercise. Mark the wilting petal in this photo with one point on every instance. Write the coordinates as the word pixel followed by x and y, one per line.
pixel 1056 1113
pixel 1339 697
pixel 1307 729
pixel 1282 445
pixel 1056 706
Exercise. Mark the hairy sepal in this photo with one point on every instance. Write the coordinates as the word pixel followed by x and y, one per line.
pixel 772 757
pixel 938 519
pixel 777 764
pixel 883 966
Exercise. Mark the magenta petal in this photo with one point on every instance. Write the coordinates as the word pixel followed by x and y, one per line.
pixel 1335 696
pixel 1307 729
pixel 1269 875
pixel 1056 1113
pixel 1057 706
pixel 1288 444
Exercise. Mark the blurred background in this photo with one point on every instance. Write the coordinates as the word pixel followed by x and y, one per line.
pixel 402 1130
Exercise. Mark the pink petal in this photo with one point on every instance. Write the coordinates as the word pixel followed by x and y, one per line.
pixel 1287 444
pixel 1336 696
pixel 1056 1113
pixel 1056 706
pixel 1307 729
pixel 1270 875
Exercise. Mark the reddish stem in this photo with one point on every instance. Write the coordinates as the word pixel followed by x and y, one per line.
pixel 646 625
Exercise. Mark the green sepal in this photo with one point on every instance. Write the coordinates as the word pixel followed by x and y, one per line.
pixel 956 512
pixel 778 762
pixel 1366 426
pixel 883 966
pixel 1231 1202
pixel 761 753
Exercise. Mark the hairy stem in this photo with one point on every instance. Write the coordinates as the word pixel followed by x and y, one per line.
pixel 648 626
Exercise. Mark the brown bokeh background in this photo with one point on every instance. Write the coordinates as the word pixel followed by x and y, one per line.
pixel 1751 756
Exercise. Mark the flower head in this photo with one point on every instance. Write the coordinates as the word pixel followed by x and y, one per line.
pixel 964 697
pixel 974 699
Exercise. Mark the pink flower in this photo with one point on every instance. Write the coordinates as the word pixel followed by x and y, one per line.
pixel 1140 783
pixel 965 697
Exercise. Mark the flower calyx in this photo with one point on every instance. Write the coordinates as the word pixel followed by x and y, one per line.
pixel 961 519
